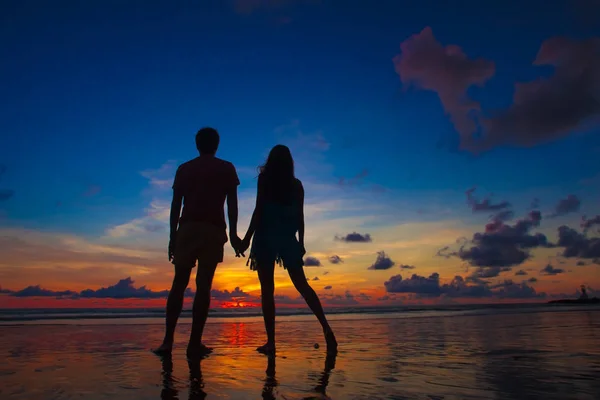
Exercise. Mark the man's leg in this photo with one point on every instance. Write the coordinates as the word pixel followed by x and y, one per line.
pixel 174 306
pixel 204 278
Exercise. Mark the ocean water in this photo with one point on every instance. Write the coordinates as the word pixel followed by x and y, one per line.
pixel 514 352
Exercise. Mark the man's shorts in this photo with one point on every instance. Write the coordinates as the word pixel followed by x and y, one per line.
pixel 199 241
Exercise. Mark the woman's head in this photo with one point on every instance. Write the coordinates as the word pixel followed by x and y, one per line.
pixel 279 162
pixel 278 172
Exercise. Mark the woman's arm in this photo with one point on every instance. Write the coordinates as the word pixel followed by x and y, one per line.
pixel 301 214
pixel 257 211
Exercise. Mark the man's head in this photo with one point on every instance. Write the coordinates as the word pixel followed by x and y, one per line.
pixel 207 141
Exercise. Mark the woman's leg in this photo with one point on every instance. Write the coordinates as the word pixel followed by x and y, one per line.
pixel 266 272
pixel 312 300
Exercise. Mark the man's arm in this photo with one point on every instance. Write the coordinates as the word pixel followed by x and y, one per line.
pixel 232 210
pixel 232 213
pixel 175 214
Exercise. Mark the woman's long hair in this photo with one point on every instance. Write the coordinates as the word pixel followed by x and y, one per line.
pixel 278 175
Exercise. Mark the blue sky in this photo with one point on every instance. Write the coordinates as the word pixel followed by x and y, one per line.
pixel 96 93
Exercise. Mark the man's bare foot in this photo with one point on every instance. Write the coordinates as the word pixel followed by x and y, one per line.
pixel 267 348
pixel 195 352
pixel 332 344
pixel 164 349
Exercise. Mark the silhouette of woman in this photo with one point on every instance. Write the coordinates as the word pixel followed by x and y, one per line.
pixel 277 217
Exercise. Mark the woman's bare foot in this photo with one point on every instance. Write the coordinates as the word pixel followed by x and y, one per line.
pixel 332 344
pixel 267 348
pixel 164 349
pixel 195 352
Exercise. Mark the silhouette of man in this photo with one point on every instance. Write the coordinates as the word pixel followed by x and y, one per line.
pixel 202 184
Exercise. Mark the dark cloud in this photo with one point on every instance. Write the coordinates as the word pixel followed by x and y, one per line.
pixel 550 108
pixel 348 298
pixel 487 272
pixel 503 216
pixel 382 262
pixel 520 273
pixel 124 289
pixel 580 263
pixel 550 270
pixel 533 279
pixel 37 291
pixel 577 244
pixel 336 259
pixel 355 237
pixel 447 71
pixel 501 245
pixel 328 287
pixel 312 262
pixel 484 205
pixel 316 278
pixel 567 205
pixel 589 223
pixel 407 266
pixel 458 287
pixel 325 273
pixel 223 295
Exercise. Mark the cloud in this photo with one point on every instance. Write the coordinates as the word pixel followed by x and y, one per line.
pixel 501 245
pixel 487 272
pixel 551 108
pixel 589 223
pixel 485 204
pixel 533 279
pixel 6 194
pixel 457 288
pixel 235 294
pixel 550 270
pixel 161 178
pixel 328 287
pixel 355 237
pixel 520 273
pixel 577 244
pixel 38 291
pixel 348 298
pixel 312 262
pixel 124 289
pixel 336 259
pixel 567 205
pixel 382 262
pixel 407 266
pixel 316 278
pixel 448 71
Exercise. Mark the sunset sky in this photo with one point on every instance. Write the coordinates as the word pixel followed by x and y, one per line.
pixel 448 153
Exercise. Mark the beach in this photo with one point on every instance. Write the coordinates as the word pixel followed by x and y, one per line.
pixel 520 353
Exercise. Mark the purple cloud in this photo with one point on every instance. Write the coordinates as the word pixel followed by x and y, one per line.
pixel 312 262
pixel 484 205
pixel 355 237
pixel 382 262
pixel 567 205
pixel 550 270
pixel 447 71
pixel 336 259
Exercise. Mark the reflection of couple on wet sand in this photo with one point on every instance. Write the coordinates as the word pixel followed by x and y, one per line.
pixel 196 381
pixel 198 233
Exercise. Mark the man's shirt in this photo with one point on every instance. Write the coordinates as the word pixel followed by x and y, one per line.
pixel 204 183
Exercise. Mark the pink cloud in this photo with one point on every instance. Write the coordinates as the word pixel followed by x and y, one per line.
pixel 550 108
pixel 448 71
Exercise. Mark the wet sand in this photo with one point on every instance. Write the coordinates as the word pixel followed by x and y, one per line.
pixel 545 355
